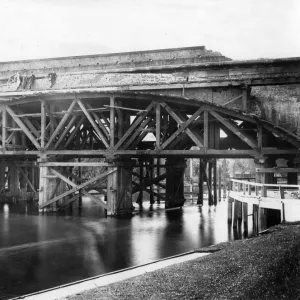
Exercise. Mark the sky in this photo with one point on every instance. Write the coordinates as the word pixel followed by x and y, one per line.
pixel 239 29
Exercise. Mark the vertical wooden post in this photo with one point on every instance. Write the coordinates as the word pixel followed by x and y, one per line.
pixel 175 182
pixel 224 166
pixel 120 120
pixel 158 174
pixel 79 175
pixel 140 196
pixel 158 124
pixel 229 211
pixel 214 166
pixel 210 195
pixel 43 123
pixel 4 129
pixel 2 176
pixel 112 122
pixel 245 217
pixel 281 191
pixel 220 183
pixel 260 136
pixel 255 219
pixel 246 92
pixel 200 183
pixel 206 127
pixel 282 211
pixel 43 183
pixel 235 213
pixel 150 176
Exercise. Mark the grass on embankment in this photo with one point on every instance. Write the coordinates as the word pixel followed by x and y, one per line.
pixel 266 267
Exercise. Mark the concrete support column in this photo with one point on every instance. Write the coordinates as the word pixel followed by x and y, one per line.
pixel 175 182
pixel 119 188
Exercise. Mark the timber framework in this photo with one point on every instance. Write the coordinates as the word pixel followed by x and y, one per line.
pixel 133 118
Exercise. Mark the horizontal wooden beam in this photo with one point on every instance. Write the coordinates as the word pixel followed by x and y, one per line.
pixel 74 164
pixel 277 170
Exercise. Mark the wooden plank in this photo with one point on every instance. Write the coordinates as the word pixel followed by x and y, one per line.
pixel 101 137
pixel 236 130
pixel 67 129
pixel 61 124
pixel 134 125
pixel 23 127
pixel 75 189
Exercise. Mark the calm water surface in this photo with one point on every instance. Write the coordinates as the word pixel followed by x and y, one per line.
pixel 39 251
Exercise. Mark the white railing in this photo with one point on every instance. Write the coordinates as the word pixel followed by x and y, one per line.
pixel 277 191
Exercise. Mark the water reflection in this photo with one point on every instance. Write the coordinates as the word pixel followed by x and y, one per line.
pixel 39 251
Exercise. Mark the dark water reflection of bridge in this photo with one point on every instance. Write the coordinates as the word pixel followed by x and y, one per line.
pixel 41 251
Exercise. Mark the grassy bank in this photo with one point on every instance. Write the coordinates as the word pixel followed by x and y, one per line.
pixel 266 267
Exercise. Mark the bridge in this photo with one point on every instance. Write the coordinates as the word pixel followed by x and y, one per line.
pixel 126 122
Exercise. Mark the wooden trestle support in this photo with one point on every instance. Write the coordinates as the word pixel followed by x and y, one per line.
pixel 133 142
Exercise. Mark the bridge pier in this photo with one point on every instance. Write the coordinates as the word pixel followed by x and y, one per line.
pixel 175 182
pixel 119 188
pixel 49 186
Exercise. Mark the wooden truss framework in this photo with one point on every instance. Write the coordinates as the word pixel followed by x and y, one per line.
pixel 108 129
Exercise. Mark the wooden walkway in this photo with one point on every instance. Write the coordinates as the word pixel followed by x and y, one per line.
pixel 283 197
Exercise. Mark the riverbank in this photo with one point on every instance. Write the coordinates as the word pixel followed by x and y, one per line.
pixel 265 267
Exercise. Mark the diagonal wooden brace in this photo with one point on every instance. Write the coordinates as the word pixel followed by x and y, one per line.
pixel 23 127
pixel 76 187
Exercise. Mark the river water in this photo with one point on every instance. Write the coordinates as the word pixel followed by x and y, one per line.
pixel 39 251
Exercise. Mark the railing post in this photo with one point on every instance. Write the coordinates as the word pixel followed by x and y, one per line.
pixel 256 190
pixel 281 191
pixel 282 212
pixel 264 191
pixel 244 188
pixel 249 189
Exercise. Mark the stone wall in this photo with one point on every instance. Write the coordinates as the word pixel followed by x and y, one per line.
pixel 278 104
